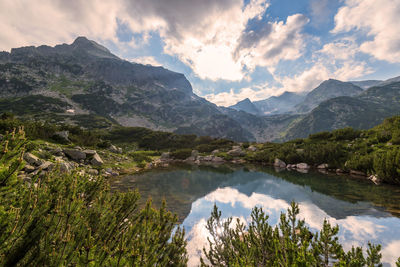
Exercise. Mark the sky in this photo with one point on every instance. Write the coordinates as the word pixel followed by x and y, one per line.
pixel 228 49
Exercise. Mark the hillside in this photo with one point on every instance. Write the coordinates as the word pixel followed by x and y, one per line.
pixel 65 82
pixel 281 104
pixel 247 106
pixel 362 112
pixel 327 90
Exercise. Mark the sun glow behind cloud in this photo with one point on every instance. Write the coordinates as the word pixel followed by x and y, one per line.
pixel 215 42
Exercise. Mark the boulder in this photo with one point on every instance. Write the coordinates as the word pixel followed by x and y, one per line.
pixel 32 159
pixel 47 165
pixel 340 171
pixel 375 179
pixel 93 172
pixel 252 148
pixel 194 154
pixel 115 149
pixel 279 163
pixel 66 167
pixel 208 158
pixel 323 166
pixel 57 152
pixel 165 156
pixel 89 152
pixel 291 166
pixel 29 168
pixel 357 173
pixel 75 154
pixel 236 152
pixel 303 166
pixel 218 160
pixel 96 160
pixel 62 136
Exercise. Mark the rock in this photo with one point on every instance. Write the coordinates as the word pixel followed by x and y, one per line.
pixel 29 168
pixel 93 172
pixel 358 173
pixel 62 136
pixel 195 153
pixel 75 154
pixel 238 161
pixel 111 172
pixel 375 179
pixel 165 156
pixel 236 152
pixel 340 171
pixel 66 167
pixel 32 159
pixel 218 160
pixel 291 166
pixel 252 148
pixel 57 152
pixel 96 160
pixel 302 170
pixel 115 149
pixel 279 163
pixel 47 165
pixel 214 152
pixel 303 166
pixel 323 166
pixel 208 158
pixel 89 152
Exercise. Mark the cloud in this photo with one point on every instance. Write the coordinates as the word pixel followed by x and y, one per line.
pixel 51 22
pixel 272 42
pixel 257 92
pixel 377 20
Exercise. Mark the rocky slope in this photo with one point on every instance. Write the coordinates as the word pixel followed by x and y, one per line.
pixel 247 106
pixel 281 104
pixel 361 112
pixel 84 81
pixel 327 90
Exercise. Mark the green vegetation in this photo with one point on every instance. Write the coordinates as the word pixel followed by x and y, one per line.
pixel 374 151
pixel 290 243
pixel 69 219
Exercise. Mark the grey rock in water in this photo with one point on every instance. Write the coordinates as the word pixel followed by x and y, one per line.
pixel 303 166
pixel 279 163
pixel 323 166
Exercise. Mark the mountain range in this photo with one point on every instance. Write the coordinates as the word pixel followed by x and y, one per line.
pixel 83 83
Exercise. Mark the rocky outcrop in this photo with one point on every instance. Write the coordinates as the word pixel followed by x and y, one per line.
pixel 96 160
pixel 32 159
pixel 279 163
pixel 236 152
pixel 302 166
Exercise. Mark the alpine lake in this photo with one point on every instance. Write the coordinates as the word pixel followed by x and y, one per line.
pixel 364 212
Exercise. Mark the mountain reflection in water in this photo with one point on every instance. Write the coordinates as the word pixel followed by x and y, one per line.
pixel 363 211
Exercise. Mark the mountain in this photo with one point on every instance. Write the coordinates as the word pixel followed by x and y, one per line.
pixel 281 104
pixel 247 106
pixel 366 84
pixel 361 112
pixel 327 90
pixel 84 83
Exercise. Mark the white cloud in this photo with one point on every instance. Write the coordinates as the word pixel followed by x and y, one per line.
pixel 378 20
pixel 52 22
pixel 258 92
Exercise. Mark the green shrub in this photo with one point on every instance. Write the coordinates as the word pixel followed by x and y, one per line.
pixel 290 243
pixel 181 153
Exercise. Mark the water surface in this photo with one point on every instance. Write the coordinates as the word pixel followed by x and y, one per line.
pixel 363 211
